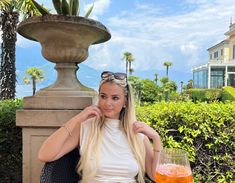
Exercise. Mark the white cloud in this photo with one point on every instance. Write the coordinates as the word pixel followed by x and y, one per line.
pixel 153 35
pixel 189 48
pixel 152 38
pixel 100 6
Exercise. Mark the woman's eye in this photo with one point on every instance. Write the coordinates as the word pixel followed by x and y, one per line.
pixel 115 98
pixel 103 96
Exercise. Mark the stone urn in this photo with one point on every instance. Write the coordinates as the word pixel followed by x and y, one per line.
pixel 65 41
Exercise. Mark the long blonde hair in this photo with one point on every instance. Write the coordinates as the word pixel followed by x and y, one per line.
pixel 87 167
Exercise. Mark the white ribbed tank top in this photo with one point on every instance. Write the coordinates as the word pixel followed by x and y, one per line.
pixel 117 163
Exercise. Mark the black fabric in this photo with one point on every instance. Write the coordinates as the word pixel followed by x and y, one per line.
pixel 61 170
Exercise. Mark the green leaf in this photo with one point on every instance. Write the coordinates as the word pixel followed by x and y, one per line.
pixel 57 6
pixel 65 7
pixel 75 7
pixel 40 8
pixel 89 11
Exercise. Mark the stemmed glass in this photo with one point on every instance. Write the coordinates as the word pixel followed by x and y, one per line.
pixel 173 167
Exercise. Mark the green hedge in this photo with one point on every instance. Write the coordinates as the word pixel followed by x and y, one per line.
pixel 206 131
pixel 10 143
pixel 202 95
pixel 228 93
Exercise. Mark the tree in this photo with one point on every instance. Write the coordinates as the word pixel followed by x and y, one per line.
pixel 156 78
pixel 167 87
pixel 167 64
pixel 9 20
pixel 137 87
pixel 181 86
pixel 149 91
pixel 172 86
pixel 128 57
pixel 164 80
pixel 130 60
pixel 190 84
pixel 35 75
pixel 131 70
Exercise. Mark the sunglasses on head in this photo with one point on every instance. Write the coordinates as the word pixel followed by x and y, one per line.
pixel 116 75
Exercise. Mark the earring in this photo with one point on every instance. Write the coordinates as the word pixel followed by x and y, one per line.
pixel 124 106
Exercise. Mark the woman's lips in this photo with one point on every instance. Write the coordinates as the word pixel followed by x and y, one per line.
pixel 107 110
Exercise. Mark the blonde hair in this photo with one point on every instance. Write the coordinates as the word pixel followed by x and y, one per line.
pixel 87 167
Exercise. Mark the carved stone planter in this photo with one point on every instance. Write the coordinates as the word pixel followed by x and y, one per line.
pixel 65 41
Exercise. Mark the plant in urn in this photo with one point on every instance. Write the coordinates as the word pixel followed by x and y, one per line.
pixel 65 39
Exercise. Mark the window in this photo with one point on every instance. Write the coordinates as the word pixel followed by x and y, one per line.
pixel 217 78
pixel 210 56
pixel 200 79
pixel 221 52
pixel 216 54
pixel 233 51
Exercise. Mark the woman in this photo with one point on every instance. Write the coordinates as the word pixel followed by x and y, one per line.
pixel 114 147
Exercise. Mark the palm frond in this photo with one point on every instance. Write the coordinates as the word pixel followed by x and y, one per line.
pixel 89 11
pixel 4 3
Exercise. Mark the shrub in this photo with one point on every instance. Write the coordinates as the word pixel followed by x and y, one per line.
pixel 10 142
pixel 228 93
pixel 205 131
pixel 202 95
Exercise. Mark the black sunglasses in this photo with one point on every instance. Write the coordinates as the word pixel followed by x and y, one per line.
pixel 116 75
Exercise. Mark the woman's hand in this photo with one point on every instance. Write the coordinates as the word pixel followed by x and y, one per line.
pixel 141 127
pixel 90 112
pixel 152 150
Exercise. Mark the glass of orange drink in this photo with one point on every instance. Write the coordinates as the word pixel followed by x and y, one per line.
pixel 173 167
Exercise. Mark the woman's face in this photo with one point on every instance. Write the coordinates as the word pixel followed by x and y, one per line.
pixel 111 100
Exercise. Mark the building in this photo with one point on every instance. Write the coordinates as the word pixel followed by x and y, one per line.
pixel 220 69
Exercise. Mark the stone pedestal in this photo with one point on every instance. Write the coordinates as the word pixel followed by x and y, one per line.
pixel 39 118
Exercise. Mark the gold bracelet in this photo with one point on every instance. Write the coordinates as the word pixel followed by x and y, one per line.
pixel 67 129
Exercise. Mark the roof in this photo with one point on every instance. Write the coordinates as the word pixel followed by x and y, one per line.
pixel 226 41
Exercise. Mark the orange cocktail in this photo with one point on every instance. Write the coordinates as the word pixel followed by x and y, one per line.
pixel 172 173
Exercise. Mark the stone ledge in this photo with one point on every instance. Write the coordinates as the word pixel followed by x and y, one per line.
pixel 43 118
pixel 57 102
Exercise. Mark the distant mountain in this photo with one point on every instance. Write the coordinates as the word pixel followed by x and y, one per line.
pixel 176 76
pixel 88 76
pixel 91 77
pixel 24 59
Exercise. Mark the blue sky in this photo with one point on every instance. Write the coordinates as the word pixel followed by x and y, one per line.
pixel 154 31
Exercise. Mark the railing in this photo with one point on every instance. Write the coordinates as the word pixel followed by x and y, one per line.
pixel 199 66
pixel 214 62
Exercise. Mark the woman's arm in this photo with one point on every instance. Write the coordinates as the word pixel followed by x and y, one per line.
pixel 67 137
pixel 152 150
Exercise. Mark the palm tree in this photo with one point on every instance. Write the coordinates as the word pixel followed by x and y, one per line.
pixel 167 64
pixel 35 75
pixel 128 57
pixel 125 57
pixel 131 70
pixel 156 78
pixel 130 60
pixel 181 86
pixel 9 19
